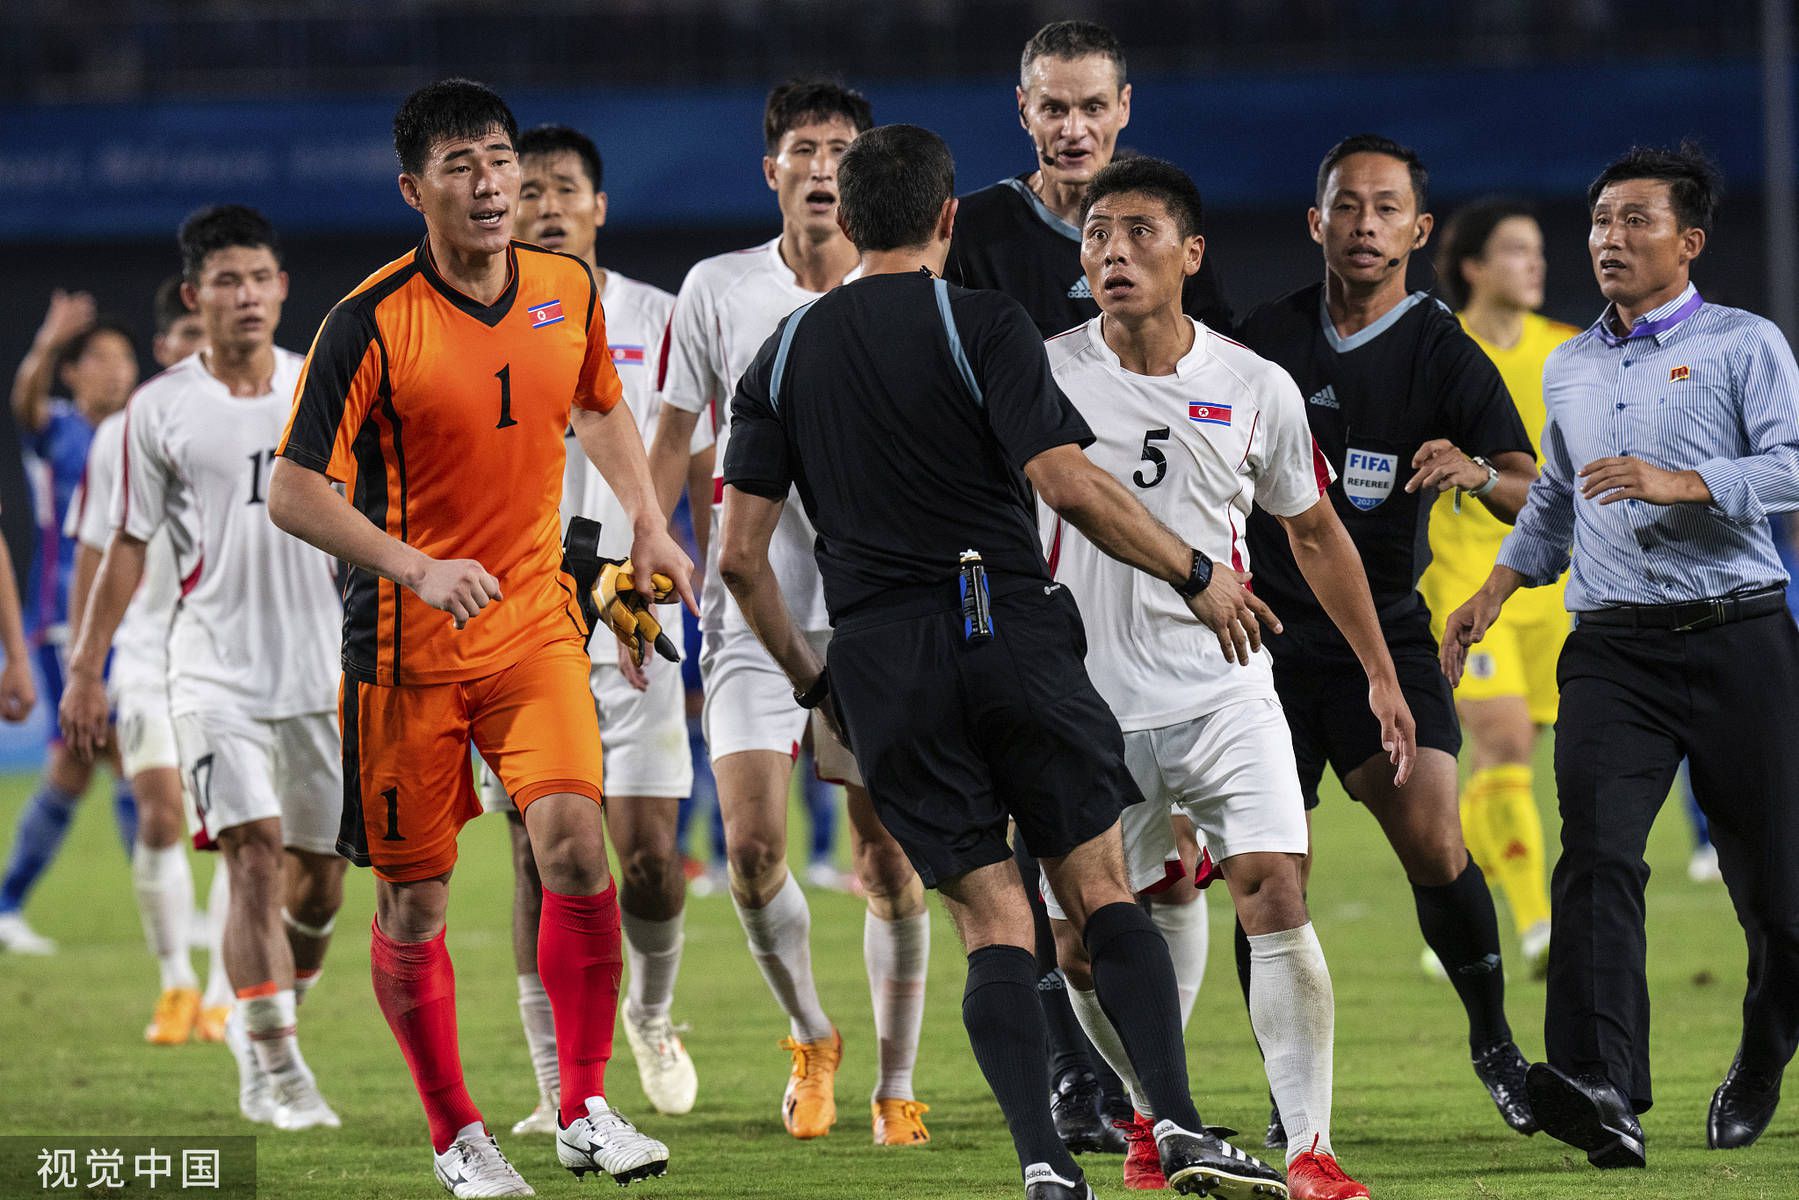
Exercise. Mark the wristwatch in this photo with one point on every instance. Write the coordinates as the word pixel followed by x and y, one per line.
pixel 815 695
pixel 1492 477
pixel 1199 577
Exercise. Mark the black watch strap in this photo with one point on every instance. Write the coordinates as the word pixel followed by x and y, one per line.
pixel 815 695
pixel 1198 578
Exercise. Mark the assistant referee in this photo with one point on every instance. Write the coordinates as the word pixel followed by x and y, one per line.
pixel 910 414
pixel 1672 434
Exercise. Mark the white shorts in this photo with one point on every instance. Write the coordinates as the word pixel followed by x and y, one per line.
pixel 1231 772
pixel 749 706
pixel 643 737
pixel 145 731
pixel 238 769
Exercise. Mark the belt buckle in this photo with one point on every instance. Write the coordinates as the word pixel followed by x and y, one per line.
pixel 1709 620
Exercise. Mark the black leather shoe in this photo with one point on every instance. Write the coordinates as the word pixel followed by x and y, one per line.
pixel 1204 1164
pixel 1588 1113
pixel 1501 1068
pixel 1042 1183
pixel 1276 1137
pixel 1074 1107
pixel 1741 1108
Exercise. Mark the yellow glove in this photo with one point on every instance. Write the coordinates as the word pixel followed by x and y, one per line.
pixel 628 613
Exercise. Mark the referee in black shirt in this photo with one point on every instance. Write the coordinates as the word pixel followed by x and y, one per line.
pixel 910 414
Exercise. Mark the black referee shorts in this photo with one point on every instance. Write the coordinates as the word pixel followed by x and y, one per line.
pixel 1325 694
pixel 953 737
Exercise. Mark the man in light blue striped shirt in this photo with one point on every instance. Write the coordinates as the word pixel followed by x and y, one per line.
pixel 1673 433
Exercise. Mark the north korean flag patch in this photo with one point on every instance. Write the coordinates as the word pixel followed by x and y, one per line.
pixel 547 313
pixel 623 355
pixel 1208 414
pixel 1680 374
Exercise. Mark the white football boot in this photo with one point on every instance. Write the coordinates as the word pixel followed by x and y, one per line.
pixel 604 1141
pixel 298 1104
pixel 663 1065
pixel 543 1117
pixel 473 1166
pixel 17 937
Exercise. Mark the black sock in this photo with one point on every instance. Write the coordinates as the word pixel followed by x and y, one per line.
pixel 1240 943
pixel 1067 1052
pixel 1459 924
pixel 1134 978
pixel 1005 1027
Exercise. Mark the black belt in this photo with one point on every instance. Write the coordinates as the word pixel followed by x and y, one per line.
pixel 1689 616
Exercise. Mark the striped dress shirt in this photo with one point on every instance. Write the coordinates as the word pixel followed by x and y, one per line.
pixel 1693 386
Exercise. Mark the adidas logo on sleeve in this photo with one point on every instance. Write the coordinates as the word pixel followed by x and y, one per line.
pixel 1325 397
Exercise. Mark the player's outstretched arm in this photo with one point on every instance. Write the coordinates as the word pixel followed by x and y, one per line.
pixel 612 444
pixel 749 524
pixel 1469 623
pixel 85 714
pixel 69 314
pixel 1332 567
pixel 302 502
pixel 18 694
pixel 1112 519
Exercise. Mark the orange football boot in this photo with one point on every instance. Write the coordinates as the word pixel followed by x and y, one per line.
pixel 176 1011
pixel 900 1122
pixel 809 1106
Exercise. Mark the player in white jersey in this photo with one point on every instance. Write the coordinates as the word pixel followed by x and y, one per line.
pixel 252 676
pixel 1203 430
pixel 648 768
pixel 727 308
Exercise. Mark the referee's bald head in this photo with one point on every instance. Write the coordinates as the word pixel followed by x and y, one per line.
pixel 892 185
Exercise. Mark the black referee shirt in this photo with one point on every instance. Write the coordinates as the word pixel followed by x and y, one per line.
pixel 1007 240
pixel 904 409
pixel 1372 399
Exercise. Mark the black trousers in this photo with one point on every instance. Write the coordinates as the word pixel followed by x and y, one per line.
pixel 1633 703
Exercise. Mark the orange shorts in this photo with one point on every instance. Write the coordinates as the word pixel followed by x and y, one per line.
pixel 408 781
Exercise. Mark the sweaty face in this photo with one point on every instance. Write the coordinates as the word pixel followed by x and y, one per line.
pixel 179 340
pixel 1636 242
pixel 803 173
pixel 238 297
pixel 467 192
pixel 101 379
pixel 1134 255
pixel 1369 217
pixel 1073 109
pixel 1510 270
pixel 557 205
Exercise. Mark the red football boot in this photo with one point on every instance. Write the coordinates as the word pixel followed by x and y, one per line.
pixel 1142 1162
pixel 1316 1176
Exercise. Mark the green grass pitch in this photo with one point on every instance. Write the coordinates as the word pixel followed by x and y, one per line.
pixel 1411 1120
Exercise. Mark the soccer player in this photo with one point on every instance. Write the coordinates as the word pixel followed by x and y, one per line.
pixel 439 393
pixel 1203 430
pixel 179 329
pixel 95 361
pixel 909 414
pixel 1021 236
pixel 643 720
pixel 1404 406
pixel 1492 267
pixel 249 648
pixel 725 311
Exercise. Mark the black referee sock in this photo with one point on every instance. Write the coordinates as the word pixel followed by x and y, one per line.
pixel 1005 1027
pixel 1240 944
pixel 1134 979
pixel 1459 924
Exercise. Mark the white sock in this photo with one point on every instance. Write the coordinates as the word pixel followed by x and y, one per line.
pixel 1105 1039
pixel 780 937
pixel 305 981
pixel 165 902
pixel 540 1033
pixel 269 1020
pixel 653 954
pixel 897 955
pixel 1293 1013
pixel 1188 936
pixel 218 902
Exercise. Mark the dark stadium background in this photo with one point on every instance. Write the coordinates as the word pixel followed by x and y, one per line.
pixel 119 116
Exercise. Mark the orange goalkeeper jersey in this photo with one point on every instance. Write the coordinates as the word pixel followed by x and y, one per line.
pixel 444 418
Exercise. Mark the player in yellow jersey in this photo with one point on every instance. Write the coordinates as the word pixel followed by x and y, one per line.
pixel 1492 267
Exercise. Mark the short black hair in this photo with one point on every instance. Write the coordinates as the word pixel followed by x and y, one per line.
pixel 1695 185
pixel 1070 40
pixel 1153 177
pixel 449 108
pixel 76 346
pixel 1374 143
pixel 219 227
pixel 169 306
pixel 800 101
pixel 891 185
pixel 1465 237
pixel 559 139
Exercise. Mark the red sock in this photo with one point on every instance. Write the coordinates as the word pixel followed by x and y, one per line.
pixel 579 958
pixel 416 988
